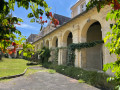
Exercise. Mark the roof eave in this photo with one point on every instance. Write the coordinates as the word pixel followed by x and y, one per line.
pixel 64 24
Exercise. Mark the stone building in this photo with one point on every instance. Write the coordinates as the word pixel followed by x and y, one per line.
pixel 84 26
pixel 31 38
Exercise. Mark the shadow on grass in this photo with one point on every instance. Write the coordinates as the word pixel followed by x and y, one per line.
pixel 1 60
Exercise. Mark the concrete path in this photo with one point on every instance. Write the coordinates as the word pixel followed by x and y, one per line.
pixel 45 81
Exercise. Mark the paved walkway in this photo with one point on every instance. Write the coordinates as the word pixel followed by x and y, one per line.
pixel 45 81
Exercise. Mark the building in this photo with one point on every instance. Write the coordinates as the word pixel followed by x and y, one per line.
pixel 49 29
pixel 84 26
pixel 31 38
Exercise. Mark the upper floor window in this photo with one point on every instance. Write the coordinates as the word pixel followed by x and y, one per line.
pixel 83 7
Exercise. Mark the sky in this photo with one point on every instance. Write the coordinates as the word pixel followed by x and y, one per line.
pixel 61 7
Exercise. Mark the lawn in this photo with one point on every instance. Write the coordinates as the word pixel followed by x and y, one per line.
pixel 12 66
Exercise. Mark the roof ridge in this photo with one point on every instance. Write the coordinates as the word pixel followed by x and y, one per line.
pixel 60 15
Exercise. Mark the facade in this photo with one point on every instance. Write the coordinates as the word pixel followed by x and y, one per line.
pixel 84 26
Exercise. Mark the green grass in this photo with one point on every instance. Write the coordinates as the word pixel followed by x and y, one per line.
pixel 51 71
pixel 10 67
pixel 81 81
pixel 31 71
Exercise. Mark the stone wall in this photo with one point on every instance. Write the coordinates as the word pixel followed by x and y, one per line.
pixel 79 26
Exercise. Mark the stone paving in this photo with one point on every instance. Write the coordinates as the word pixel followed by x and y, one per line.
pixel 45 81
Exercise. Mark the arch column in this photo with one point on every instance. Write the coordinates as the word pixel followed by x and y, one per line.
pixel 107 58
pixel 47 43
pixel 60 52
pixel 76 39
pixel 50 46
pixel 65 39
pixel 53 45
pixel 50 42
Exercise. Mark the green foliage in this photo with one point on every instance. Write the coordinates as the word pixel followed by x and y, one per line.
pixel 91 77
pixel 81 81
pixel 31 63
pixel 112 38
pixel 114 46
pixel 71 50
pixel 20 39
pixel 55 56
pixel 115 68
pixel 74 46
pixel 44 54
pixel 51 71
pixel 28 50
pixel 7 22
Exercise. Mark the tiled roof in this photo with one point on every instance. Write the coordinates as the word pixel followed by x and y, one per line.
pixel 31 38
pixel 61 19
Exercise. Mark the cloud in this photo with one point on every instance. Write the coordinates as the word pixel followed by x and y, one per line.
pixel 27 26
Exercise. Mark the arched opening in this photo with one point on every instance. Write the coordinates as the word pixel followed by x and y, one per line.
pixel 56 45
pixel 55 42
pixel 69 39
pixel 47 43
pixel 94 57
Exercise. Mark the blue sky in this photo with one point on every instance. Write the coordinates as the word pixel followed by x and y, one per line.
pixel 61 7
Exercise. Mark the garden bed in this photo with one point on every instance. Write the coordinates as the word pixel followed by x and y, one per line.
pixel 94 78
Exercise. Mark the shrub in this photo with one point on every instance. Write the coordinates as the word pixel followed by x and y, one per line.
pixel 91 77
pixel 44 54
pixel 31 63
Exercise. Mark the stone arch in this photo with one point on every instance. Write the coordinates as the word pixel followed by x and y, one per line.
pixel 67 38
pixel 85 29
pixel 55 42
pixel 47 43
pixel 92 58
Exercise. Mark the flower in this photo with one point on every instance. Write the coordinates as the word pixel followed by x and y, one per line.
pixel 18 24
pixel 43 22
pixel 116 4
pixel 41 17
pixel 55 21
pixel 14 50
pixel 13 43
pixel 46 21
pixel 62 69
pixel 10 52
pixel 50 14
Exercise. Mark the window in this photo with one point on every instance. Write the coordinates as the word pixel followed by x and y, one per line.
pixel 83 7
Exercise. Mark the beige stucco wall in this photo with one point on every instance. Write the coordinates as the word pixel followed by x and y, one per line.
pixel 77 8
pixel 79 27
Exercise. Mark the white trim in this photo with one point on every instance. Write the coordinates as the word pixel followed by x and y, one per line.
pixel 78 9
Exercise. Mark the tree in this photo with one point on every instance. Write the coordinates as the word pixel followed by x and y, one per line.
pixel 113 35
pixel 7 28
